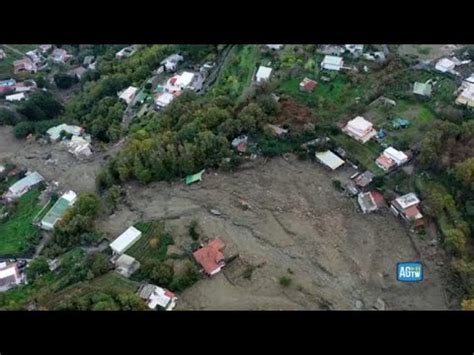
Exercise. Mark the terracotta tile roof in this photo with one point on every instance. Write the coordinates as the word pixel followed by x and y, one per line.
pixel 412 212
pixel 385 162
pixel 308 84
pixel 169 294
pixel 378 198
pixel 210 256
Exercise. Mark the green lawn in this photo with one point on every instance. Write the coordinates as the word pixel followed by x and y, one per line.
pixel 237 71
pixel 364 153
pixel 329 100
pixel 18 229
pixel 153 244
pixel 419 113
pixel 6 65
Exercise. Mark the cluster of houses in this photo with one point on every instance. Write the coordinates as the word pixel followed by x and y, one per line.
pixel 16 91
pixel 37 59
pixel 79 143
pixel 126 265
pixel 334 61
pixel 173 87
pixel 55 213
pixel 126 52
pixel 210 257
pixel 465 92
pixel 370 200
pixel 11 272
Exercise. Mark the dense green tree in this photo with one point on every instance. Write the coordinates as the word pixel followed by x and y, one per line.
pixel 465 173
pixel 98 264
pixel 64 81
pixel 8 117
pixel 87 204
pixel 40 106
pixel 39 266
pixel 23 129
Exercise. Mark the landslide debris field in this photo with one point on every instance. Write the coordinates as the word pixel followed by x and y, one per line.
pixel 284 218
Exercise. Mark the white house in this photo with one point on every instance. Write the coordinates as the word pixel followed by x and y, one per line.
pixel 126 52
pixel 156 296
pixel 445 65
pixel 366 202
pixel 22 186
pixel 355 49
pixel 54 133
pixel 466 97
pixel 180 82
pixel 396 155
pixel 329 159
pixel 331 62
pixel 79 147
pixel 275 47
pixel 360 129
pixel 390 158
pixel 126 265
pixel 163 99
pixel 9 276
pixel 128 94
pixel 171 62
pixel 263 74
pixel 60 55
pixel 408 207
pixel 184 80
pixel 16 97
pixel 125 240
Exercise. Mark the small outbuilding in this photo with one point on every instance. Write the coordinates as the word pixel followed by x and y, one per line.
pixel 126 265
pixel 331 62
pixel 329 159
pixel 125 240
pixel 263 74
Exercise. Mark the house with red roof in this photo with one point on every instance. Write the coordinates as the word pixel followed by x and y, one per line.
pixel 370 201
pixel 407 207
pixel 307 85
pixel 156 296
pixel 210 257
pixel 391 158
pixel 24 65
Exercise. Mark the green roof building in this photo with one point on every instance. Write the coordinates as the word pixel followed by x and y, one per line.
pixel 57 212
